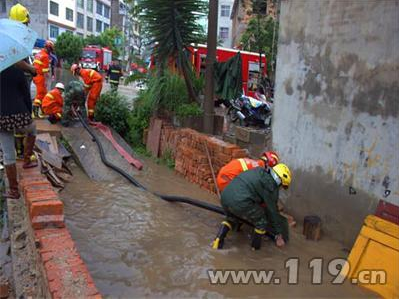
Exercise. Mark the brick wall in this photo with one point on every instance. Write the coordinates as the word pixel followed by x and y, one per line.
pixel 188 149
pixel 66 273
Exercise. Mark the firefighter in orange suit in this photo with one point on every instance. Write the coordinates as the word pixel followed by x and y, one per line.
pixel 232 169
pixel 42 66
pixel 53 103
pixel 93 83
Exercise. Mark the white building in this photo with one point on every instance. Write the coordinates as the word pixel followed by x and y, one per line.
pixel 61 17
pixel 92 16
pixel 225 23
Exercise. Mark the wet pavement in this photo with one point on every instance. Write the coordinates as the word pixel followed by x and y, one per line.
pixel 136 245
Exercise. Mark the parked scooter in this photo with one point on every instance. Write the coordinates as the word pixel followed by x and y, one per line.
pixel 250 111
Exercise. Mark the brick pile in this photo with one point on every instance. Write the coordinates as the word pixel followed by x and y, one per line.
pixel 67 275
pixel 188 149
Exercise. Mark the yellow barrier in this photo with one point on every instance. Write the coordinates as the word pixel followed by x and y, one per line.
pixel 374 258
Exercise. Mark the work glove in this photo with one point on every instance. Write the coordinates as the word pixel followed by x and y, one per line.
pixel 279 241
pixel 256 241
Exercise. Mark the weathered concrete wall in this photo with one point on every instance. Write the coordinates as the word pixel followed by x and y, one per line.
pixel 336 109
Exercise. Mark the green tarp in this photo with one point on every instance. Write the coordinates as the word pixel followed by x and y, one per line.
pixel 228 80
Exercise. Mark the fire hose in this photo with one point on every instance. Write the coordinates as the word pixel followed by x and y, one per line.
pixel 169 198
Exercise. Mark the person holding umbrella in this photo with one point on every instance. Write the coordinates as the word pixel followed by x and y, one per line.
pixel 17 41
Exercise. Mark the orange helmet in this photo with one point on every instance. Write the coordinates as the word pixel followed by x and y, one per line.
pixel 49 45
pixel 271 158
pixel 74 68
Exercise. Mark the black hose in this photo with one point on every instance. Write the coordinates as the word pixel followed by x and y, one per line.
pixel 169 198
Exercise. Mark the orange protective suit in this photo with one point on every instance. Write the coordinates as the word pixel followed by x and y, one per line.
pixel 232 169
pixel 93 83
pixel 41 64
pixel 53 103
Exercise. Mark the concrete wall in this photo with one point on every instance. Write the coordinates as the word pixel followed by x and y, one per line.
pixel 38 14
pixel 336 108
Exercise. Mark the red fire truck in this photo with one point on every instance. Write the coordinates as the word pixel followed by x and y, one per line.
pixel 250 64
pixel 96 57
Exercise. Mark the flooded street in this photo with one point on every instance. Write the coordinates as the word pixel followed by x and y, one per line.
pixel 136 245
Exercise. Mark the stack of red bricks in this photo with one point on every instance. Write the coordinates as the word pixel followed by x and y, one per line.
pixel 62 263
pixel 190 154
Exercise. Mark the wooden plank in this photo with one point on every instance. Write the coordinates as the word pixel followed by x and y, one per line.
pixel 154 136
pixel 52 159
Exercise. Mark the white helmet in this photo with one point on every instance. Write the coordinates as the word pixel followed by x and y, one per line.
pixel 60 86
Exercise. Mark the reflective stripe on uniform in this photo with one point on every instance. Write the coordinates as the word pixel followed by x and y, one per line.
pixel 59 115
pixel 37 102
pixel 87 85
pixel 243 164
pixel 38 62
pixel 113 81
pixel 45 70
pixel 115 71
pixel 91 73
pixel 50 96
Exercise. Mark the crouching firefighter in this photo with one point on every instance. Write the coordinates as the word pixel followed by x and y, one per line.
pixel 253 196
pixel 53 102
pixel 232 169
pixel 74 97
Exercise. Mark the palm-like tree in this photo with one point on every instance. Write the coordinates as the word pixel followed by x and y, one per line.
pixel 171 26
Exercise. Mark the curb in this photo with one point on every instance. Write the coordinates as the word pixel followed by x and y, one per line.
pixel 66 274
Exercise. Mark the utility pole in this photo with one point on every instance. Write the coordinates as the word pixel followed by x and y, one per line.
pixel 209 104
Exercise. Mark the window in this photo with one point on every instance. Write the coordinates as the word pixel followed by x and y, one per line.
pixel 224 32
pixel 98 26
pixel 106 11
pixel 80 20
pixel 225 11
pixel 69 14
pixel 80 34
pixel 3 7
pixel 54 31
pixel 89 24
pixel 54 8
pixel 106 26
pixel 80 3
pixel 90 5
pixel 99 8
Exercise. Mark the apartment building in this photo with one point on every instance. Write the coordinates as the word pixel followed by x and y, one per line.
pixel 92 16
pixel 124 21
pixel 225 23
pixel 61 17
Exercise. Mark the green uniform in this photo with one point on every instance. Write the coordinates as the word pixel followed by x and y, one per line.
pixel 244 196
pixel 74 96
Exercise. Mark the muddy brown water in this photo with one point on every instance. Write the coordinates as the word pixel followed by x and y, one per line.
pixel 136 245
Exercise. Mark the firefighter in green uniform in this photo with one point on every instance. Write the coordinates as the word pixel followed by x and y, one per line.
pixel 74 97
pixel 114 74
pixel 253 196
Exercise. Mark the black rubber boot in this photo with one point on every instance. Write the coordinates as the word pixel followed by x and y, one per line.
pixel 257 238
pixel 218 243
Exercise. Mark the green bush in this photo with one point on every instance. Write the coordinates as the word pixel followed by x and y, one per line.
pixel 112 110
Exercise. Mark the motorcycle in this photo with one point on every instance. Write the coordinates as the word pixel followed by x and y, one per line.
pixel 250 111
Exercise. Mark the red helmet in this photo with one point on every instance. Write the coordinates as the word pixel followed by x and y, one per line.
pixel 271 158
pixel 49 45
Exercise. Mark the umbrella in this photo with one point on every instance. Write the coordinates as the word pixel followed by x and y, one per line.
pixel 16 42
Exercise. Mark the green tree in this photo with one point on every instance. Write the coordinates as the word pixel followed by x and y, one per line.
pixel 171 27
pixel 69 47
pixel 261 35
